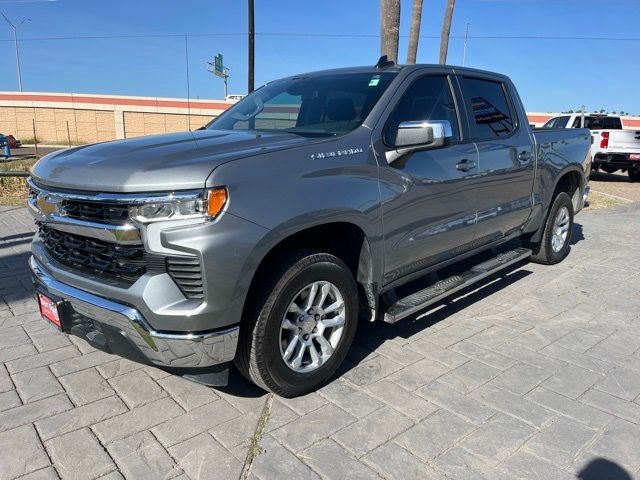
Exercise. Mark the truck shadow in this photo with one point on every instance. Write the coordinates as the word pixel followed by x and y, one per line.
pixel 601 468
pixel 371 336
pixel 609 177
pixel 577 235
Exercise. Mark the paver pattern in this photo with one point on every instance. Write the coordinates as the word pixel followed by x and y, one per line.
pixel 535 374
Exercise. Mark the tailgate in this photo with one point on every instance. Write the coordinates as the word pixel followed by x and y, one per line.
pixel 624 141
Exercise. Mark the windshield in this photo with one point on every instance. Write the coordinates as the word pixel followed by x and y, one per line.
pixel 316 105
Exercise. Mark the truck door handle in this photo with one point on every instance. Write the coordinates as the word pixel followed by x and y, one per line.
pixel 465 165
pixel 524 156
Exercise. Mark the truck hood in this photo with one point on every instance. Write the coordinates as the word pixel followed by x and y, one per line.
pixel 176 161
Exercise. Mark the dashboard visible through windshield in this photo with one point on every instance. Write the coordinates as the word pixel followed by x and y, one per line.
pixel 313 105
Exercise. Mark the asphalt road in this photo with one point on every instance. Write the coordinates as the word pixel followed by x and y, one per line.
pixel 615 184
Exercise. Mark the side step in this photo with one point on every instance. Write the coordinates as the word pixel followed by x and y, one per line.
pixel 417 301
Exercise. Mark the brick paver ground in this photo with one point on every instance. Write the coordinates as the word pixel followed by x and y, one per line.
pixel 534 375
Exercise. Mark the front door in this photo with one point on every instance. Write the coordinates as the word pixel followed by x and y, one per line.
pixel 427 196
pixel 506 157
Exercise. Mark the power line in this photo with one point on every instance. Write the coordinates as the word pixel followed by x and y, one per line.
pixel 323 35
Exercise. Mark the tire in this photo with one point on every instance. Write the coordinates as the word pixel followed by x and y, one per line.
pixel 264 336
pixel 634 174
pixel 550 250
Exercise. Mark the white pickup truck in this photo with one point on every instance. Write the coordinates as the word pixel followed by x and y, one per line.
pixel 613 148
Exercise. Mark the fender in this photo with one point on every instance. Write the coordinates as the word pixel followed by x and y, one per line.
pixel 539 217
pixel 366 270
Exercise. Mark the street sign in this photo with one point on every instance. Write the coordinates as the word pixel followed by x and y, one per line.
pixel 218 66
pixel 219 70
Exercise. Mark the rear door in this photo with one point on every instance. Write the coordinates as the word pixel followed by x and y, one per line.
pixel 428 195
pixel 506 158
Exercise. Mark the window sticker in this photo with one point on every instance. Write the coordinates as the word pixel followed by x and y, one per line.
pixel 374 81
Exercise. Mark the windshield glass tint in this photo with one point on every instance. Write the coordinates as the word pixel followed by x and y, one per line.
pixel 321 105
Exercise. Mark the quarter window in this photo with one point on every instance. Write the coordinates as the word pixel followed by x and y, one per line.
pixel 491 115
pixel 428 98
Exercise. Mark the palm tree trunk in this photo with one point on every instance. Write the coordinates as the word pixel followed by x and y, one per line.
pixel 251 38
pixel 414 34
pixel 389 28
pixel 383 26
pixel 446 28
pixel 393 27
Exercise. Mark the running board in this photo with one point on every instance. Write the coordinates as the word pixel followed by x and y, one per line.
pixel 417 301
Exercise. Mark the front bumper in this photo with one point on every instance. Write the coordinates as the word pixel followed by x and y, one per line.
pixel 120 329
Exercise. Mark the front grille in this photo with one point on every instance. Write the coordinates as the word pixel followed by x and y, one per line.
pixel 185 271
pixel 96 212
pixel 127 262
pixel 90 210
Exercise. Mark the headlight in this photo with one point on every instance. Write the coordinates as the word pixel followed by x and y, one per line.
pixel 206 205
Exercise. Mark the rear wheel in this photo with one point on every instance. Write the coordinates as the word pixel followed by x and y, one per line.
pixel 634 174
pixel 301 325
pixel 556 238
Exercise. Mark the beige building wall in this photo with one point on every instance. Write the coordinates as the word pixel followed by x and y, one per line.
pixel 58 125
pixel 80 119
pixel 137 124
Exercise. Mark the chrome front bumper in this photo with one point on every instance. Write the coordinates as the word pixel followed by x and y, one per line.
pixel 167 350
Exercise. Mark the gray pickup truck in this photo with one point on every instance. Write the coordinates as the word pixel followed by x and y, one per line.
pixel 317 202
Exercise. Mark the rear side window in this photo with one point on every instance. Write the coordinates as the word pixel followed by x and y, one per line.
pixel 599 123
pixel 428 98
pixel 491 115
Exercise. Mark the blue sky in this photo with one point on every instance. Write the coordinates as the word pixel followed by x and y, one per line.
pixel 551 75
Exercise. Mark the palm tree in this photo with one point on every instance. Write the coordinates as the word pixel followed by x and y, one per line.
pixel 446 28
pixel 383 27
pixel 251 38
pixel 389 28
pixel 414 34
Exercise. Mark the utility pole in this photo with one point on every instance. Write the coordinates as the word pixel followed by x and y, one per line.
pixel 14 29
pixel 464 51
pixel 251 48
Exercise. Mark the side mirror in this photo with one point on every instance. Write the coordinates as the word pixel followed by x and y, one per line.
pixel 419 135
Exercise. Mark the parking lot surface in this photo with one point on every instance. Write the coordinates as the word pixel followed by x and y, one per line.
pixel 616 184
pixel 533 375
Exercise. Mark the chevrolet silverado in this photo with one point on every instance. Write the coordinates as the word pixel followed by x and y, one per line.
pixel 316 202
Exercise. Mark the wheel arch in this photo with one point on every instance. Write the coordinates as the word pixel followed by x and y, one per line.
pixel 345 240
pixel 569 180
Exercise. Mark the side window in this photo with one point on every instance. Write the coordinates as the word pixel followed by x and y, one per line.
pixel 428 98
pixel 562 122
pixel 487 101
pixel 550 123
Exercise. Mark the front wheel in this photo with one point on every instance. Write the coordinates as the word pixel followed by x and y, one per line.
pixel 634 174
pixel 301 324
pixel 556 238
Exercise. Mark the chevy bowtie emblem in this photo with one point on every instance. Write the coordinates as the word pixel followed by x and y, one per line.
pixel 48 204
